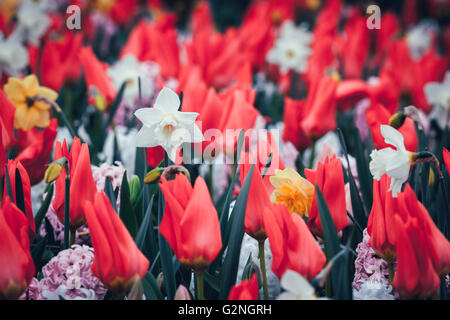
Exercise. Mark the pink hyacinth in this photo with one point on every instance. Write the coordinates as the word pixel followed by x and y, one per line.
pixel 368 266
pixel 68 275
pixel 114 172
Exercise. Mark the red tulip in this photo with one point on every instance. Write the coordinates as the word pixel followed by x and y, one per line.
pixel 17 265
pixel 34 148
pixel 414 274
pixel 376 115
pixel 6 121
pixel 385 35
pixel 117 260
pixel 246 290
pixel 350 92
pixel 155 155
pixel 438 247
pixel 381 225
pixel 218 55
pixel 321 106
pixel 96 76
pixel 258 199
pixel 26 187
pixel 190 223
pixel 156 41
pixel 294 111
pixel 292 244
pixel 59 60
pixel 82 184
pixel 354 46
pixel 2 157
pixel 123 11
pixel 330 179
pixel 446 156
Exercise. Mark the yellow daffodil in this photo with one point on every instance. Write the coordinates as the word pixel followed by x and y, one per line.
pixel 30 112
pixel 292 190
pixel 104 5
pixel 9 8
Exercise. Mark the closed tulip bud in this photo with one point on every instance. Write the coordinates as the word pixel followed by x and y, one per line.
pixel 17 265
pixel 292 244
pixel 190 222
pixel 153 175
pixel 118 262
pixel 397 120
pixel 182 293
pixel 330 179
pixel 54 170
pixel 82 184
pixel 246 290
pixel 135 188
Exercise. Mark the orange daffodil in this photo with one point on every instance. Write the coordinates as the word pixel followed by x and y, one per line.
pixel 292 190
pixel 30 112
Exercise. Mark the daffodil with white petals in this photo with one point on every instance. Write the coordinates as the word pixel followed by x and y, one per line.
pixel 292 48
pixel 395 163
pixel 296 287
pixel 164 125
pixel 438 95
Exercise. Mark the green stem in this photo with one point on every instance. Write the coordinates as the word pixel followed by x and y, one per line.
pixel 67 213
pixel 391 272
pixel 262 262
pixel 72 236
pixel 313 154
pixel 200 294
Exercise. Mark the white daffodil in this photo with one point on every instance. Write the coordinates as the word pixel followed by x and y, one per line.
pixel 438 95
pixel 129 70
pixel 395 163
pixel 419 39
pixel 33 21
pixel 296 287
pixel 164 125
pixel 292 48
pixel 13 55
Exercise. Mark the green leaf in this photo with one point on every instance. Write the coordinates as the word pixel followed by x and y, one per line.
pixel 212 281
pixel 9 191
pixel 166 254
pixel 359 210
pixel 44 208
pixel 331 238
pixel 231 262
pixel 126 211
pixel 146 228
pixel 339 273
pixel 224 220
pixel 362 165
pixel 226 208
pixel 20 199
pixel 151 289
pixel 115 104
pixel 109 191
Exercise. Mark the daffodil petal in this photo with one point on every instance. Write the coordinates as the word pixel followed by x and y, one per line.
pixel 167 100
